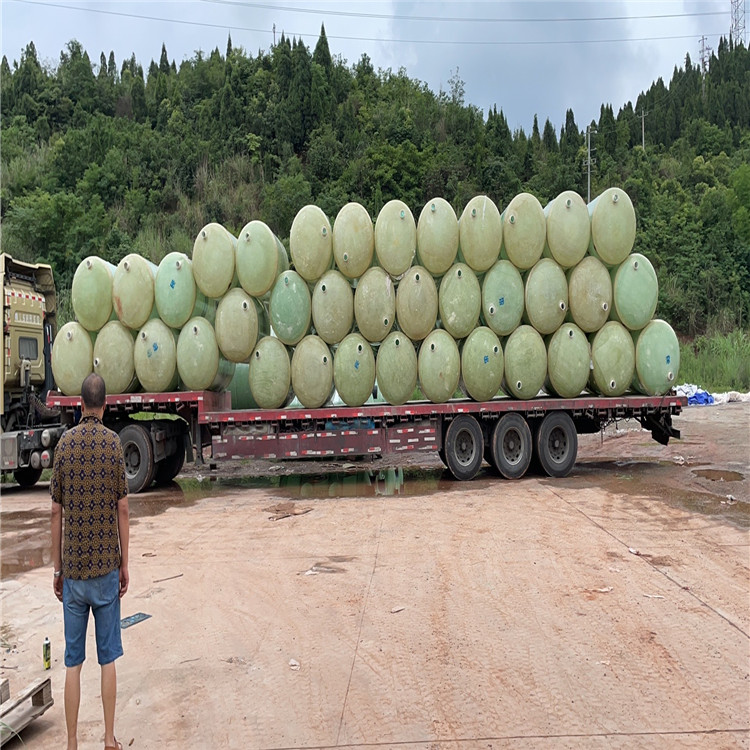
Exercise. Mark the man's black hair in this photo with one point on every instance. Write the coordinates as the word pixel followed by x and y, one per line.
pixel 93 392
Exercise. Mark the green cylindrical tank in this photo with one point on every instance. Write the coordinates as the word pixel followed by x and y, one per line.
pixel 524 231
pixel 395 237
pixel 353 240
pixel 568 229
pixel 239 387
pixel 260 258
pixel 133 290
pixel 214 253
pixel 546 296
pixel 91 292
pixel 333 307
pixel 290 308
pixel 114 357
pixel 568 361
pixel 72 358
pixel 482 364
pixel 199 362
pixel 177 297
pixel 375 304
pixel 459 301
pixel 525 362
pixel 155 357
pixel 589 294
pixel 437 236
pixel 416 303
pixel 480 233
pixel 270 374
pixel 312 372
pixel 354 369
pixel 612 359
pixel 310 243
pixel 657 358
pixel 240 320
pixel 635 292
pixel 502 298
pixel 396 368
pixel 439 366
pixel 612 226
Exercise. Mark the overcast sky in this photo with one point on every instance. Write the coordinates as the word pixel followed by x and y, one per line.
pixel 526 57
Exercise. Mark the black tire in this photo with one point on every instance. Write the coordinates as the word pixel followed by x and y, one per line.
pixel 27 476
pixel 512 446
pixel 556 444
pixel 139 457
pixel 464 447
pixel 168 468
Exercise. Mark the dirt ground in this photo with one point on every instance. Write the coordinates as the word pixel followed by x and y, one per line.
pixel 362 605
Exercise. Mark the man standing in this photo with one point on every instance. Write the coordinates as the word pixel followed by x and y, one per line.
pixel 90 488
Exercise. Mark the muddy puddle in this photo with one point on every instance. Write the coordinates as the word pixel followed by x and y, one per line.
pixel 719 475
pixel 664 482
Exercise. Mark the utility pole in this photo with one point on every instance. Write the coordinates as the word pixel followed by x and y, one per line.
pixel 737 28
pixel 643 129
pixel 274 35
pixel 705 52
pixel 589 160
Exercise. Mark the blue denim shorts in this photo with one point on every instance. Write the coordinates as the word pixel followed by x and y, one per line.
pixel 102 596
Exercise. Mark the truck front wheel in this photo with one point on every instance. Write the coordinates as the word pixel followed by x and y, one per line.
pixel 557 444
pixel 511 446
pixel 139 457
pixel 27 476
pixel 464 447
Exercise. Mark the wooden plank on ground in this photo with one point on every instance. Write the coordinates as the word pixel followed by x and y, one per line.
pixel 28 705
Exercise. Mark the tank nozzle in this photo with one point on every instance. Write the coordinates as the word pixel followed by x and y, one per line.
pixel 612 384
pixel 605 306
pixel 89 264
pixel 345 257
pixel 324 232
pixel 519 385
pixel 433 208
pixel 403 214
pixel 491 310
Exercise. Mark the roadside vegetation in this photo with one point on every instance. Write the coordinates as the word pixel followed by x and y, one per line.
pixel 717 362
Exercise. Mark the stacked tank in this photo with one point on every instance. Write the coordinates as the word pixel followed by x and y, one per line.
pixel 512 302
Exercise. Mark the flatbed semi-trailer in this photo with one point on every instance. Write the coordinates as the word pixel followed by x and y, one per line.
pixel 160 430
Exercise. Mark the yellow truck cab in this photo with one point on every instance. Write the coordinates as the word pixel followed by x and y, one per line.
pixel 29 429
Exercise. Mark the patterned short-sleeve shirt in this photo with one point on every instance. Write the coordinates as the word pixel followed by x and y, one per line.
pixel 88 479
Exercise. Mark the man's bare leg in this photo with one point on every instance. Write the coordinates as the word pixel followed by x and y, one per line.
pixel 109 699
pixel 72 703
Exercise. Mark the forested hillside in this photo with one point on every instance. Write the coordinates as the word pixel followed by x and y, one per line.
pixel 106 157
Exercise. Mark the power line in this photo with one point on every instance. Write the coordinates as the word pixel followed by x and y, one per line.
pixel 467 43
pixel 458 19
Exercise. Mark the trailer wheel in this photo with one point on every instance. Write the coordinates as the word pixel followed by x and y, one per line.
pixel 557 444
pixel 139 457
pixel 27 476
pixel 464 447
pixel 512 446
pixel 168 468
